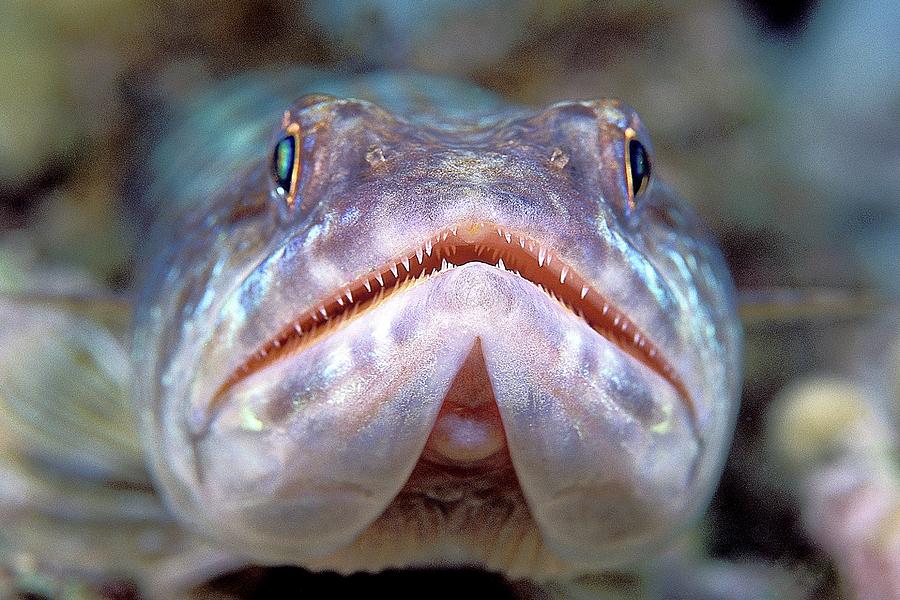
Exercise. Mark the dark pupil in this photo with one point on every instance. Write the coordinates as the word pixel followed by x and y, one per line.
pixel 640 165
pixel 284 162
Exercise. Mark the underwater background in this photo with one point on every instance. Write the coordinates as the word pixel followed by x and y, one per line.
pixel 779 122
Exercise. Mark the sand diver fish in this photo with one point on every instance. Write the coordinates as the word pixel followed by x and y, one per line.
pixel 399 322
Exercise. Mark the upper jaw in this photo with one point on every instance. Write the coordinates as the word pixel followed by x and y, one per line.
pixel 467 242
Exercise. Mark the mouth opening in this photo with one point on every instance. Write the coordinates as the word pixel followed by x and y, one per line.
pixel 450 248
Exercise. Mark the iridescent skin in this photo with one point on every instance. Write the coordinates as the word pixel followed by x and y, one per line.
pixel 316 458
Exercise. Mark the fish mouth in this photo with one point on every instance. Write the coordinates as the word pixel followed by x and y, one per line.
pixel 451 247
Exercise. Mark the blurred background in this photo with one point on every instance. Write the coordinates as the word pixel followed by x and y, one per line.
pixel 779 121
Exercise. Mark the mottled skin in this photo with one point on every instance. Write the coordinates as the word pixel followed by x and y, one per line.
pixel 316 458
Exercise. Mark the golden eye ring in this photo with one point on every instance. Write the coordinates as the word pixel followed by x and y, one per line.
pixel 637 166
pixel 286 164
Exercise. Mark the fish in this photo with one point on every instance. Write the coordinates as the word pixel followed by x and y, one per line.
pixel 400 322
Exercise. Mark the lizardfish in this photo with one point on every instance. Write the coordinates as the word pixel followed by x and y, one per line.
pixel 399 322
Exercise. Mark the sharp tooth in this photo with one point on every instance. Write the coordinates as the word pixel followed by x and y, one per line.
pixel 276 343
pixel 380 279
pixel 521 241
pixel 428 246
pixel 637 338
pixel 501 265
pixel 616 321
pixel 454 229
pixel 563 274
pixel 605 308
pixel 584 291
pixel 541 255
pixel 368 286
pixel 323 312
pixel 499 232
pixel 394 270
pixel 624 326
pixel 549 258
pixel 419 255
pixel 298 329
pixel 444 264
pixel 349 295
pixel 340 301
pixel 406 264
pixel 508 237
pixel 263 353
pixel 444 235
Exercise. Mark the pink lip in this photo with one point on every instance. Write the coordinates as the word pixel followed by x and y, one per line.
pixel 453 246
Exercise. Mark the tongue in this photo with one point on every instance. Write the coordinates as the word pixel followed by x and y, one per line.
pixel 468 430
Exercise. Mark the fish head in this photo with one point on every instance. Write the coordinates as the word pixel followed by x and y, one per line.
pixel 398 340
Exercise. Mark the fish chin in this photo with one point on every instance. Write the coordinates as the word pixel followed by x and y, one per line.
pixel 307 456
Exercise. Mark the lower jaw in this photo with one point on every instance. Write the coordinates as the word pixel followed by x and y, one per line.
pixel 489 527
pixel 462 505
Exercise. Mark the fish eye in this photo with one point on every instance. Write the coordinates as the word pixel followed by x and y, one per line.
pixel 285 167
pixel 637 166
